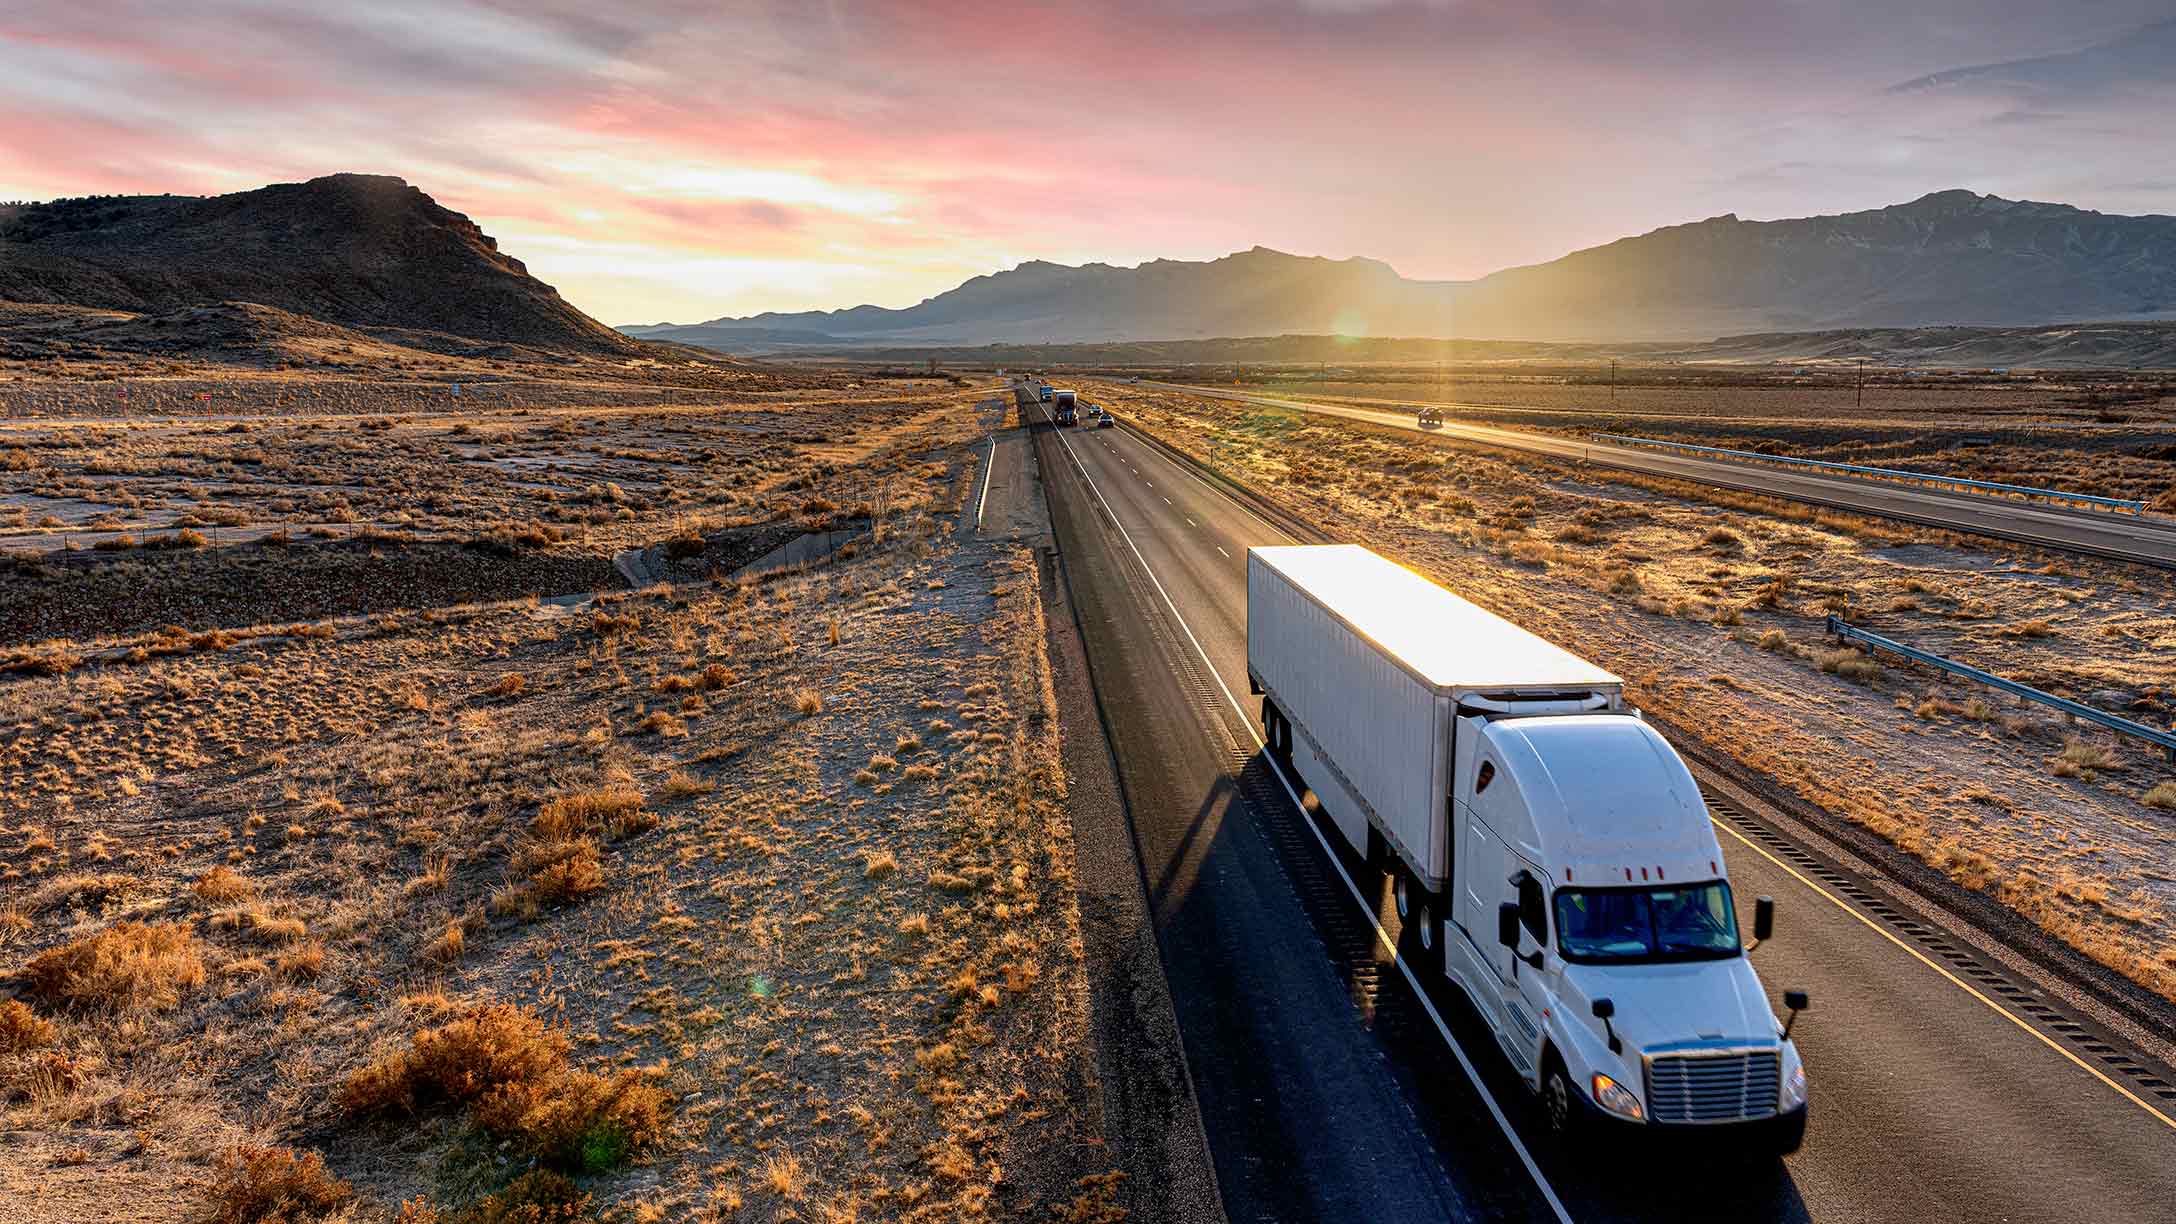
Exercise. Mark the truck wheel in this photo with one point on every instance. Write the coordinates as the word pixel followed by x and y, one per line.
pixel 1558 1105
pixel 1419 936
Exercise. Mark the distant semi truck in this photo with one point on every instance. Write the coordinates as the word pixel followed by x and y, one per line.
pixel 1065 407
pixel 1549 851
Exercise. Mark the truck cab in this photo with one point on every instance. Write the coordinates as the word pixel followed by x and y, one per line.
pixel 1591 921
pixel 1065 408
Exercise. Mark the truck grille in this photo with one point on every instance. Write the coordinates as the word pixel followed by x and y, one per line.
pixel 1732 1086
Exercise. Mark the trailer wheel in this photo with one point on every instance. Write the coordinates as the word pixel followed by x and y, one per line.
pixel 1276 733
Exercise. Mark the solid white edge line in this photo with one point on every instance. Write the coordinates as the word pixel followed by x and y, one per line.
pixel 1473 1076
pixel 987 468
pixel 1825 895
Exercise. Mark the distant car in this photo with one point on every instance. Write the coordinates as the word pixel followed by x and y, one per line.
pixel 1430 416
pixel 1045 391
pixel 1105 420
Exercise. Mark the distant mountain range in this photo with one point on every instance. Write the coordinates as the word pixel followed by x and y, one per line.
pixel 1949 258
pixel 2074 346
pixel 353 250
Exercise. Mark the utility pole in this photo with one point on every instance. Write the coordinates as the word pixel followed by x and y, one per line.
pixel 1859 390
pixel 1613 381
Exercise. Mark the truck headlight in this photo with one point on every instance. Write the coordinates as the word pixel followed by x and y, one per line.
pixel 1616 1098
pixel 1794 1088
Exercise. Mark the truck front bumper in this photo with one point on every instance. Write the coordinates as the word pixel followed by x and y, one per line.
pixel 1780 1135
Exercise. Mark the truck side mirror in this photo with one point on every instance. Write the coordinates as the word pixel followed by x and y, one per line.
pixel 1764 920
pixel 1797 1002
pixel 1603 1010
pixel 1507 925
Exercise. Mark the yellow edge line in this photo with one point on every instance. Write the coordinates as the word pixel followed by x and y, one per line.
pixel 1960 983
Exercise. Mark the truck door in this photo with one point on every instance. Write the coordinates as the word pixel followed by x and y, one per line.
pixel 1526 993
pixel 1480 872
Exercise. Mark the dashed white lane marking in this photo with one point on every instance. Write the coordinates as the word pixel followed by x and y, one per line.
pixel 1220 548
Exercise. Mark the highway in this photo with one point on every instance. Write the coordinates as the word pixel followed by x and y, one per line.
pixel 1328 1086
pixel 2123 537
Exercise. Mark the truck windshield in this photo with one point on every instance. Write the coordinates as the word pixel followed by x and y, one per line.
pixel 1620 925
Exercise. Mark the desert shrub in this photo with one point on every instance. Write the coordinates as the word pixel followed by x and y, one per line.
pixel 614 810
pixel 539 1196
pixel 223 886
pixel 715 677
pixel 85 890
pixel 577 1121
pixel 680 548
pixel 268 1185
pixel 1850 664
pixel 2163 796
pixel 511 1072
pixel 808 701
pixel 1774 639
pixel 553 873
pixel 48 660
pixel 130 966
pixel 680 784
pixel 22 1029
pixel 187 537
pixel 512 684
pixel 2028 629
pixel 458 1062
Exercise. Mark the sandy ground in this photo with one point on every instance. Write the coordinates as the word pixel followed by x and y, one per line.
pixel 1713 612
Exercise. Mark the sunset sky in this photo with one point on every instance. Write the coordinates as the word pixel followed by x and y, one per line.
pixel 677 160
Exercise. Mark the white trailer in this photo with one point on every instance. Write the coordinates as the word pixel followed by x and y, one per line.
pixel 1516 803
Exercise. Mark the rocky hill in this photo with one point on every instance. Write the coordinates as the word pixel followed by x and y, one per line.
pixel 1950 258
pixel 349 249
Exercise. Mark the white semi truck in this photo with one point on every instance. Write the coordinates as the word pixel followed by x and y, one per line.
pixel 1549 851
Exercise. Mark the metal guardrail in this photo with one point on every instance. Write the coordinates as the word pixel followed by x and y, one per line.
pixel 2165 740
pixel 1854 469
